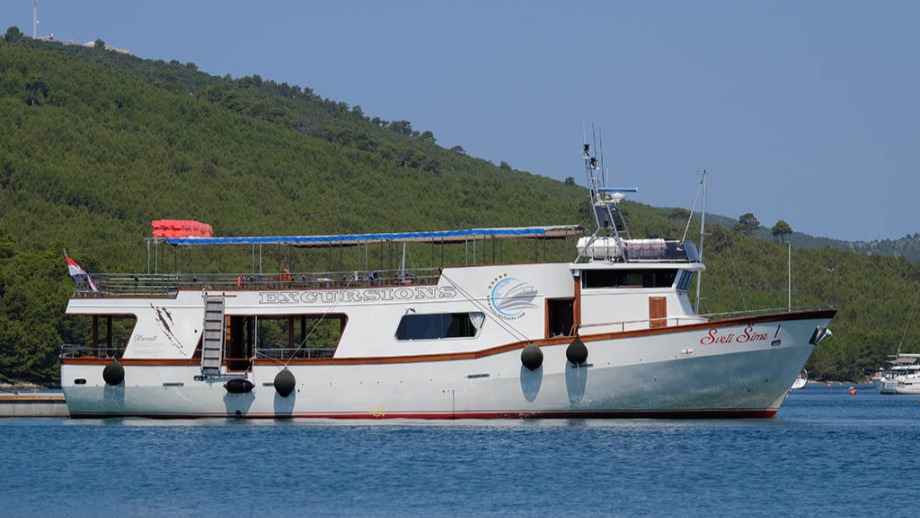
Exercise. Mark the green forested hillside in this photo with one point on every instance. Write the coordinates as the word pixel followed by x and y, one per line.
pixel 95 145
pixel 907 246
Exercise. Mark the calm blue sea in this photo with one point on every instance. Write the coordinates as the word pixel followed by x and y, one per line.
pixel 827 453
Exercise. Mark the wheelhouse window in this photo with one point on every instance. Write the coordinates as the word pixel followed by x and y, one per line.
pixel 683 283
pixel 433 326
pixel 640 278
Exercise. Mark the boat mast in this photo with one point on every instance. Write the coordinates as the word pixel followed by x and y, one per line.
pixel 909 318
pixel 593 186
pixel 699 275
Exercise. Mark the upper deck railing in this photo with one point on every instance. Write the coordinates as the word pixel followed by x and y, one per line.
pixel 166 285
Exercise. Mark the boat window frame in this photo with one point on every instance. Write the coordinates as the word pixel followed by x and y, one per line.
pixel 445 330
pixel 280 338
pixel 107 336
pixel 605 278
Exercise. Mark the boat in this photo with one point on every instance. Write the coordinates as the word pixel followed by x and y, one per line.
pixel 801 380
pixel 903 384
pixel 606 331
pixel 902 376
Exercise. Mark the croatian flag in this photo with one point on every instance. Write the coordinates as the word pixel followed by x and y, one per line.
pixel 79 274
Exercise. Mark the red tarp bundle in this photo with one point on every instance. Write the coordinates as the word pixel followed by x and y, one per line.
pixel 180 228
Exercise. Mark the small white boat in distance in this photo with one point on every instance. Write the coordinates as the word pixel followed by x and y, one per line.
pixel 905 384
pixel 801 380
pixel 901 376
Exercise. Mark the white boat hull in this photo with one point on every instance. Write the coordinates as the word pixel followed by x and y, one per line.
pixel 901 385
pixel 887 386
pixel 654 373
pixel 902 378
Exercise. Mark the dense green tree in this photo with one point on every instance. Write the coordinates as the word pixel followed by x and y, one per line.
pixel 38 92
pixel 13 34
pixel 401 127
pixel 747 224
pixel 7 245
pixel 679 214
pixel 32 301
pixel 780 230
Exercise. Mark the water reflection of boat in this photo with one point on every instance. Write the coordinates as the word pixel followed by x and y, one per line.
pixel 464 338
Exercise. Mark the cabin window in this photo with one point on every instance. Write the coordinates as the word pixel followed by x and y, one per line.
pixel 433 326
pixel 101 336
pixel 685 277
pixel 281 337
pixel 640 278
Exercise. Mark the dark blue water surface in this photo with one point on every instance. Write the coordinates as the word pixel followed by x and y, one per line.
pixel 827 453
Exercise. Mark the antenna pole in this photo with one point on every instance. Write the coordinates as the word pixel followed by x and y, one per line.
pixel 34 19
pixel 600 149
pixel 590 166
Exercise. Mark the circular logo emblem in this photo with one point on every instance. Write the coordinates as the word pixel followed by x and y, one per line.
pixel 510 297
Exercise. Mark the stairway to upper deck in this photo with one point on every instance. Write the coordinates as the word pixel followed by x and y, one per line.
pixel 212 345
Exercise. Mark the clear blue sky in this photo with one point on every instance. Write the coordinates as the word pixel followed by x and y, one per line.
pixel 805 111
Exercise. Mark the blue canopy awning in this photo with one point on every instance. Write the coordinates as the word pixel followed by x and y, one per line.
pixel 432 236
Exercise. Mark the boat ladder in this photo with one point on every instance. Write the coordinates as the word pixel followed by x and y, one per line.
pixel 212 345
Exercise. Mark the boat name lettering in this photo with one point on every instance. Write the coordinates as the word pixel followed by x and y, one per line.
pixel 145 338
pixel 365 295
pixel 745 336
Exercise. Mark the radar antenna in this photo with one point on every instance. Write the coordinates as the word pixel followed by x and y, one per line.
pixel 605 201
